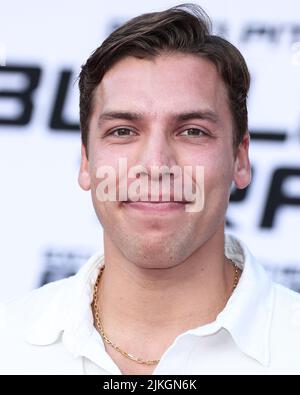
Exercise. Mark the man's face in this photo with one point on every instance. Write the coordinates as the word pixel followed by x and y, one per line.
pixel 170 110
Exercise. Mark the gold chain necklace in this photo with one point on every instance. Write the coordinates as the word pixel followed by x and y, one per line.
pixel 116 347
pixel 103 334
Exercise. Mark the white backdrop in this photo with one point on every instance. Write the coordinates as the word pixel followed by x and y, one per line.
pixel 47 224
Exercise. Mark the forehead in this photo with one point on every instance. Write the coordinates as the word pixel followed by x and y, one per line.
pixel 161 84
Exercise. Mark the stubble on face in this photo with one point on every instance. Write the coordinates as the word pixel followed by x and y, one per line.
pixel 164 242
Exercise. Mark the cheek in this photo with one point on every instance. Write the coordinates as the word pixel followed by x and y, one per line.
pixel 217 164
pixel 109 173
pixel 110 154
pixel 102 158
pixel 218 176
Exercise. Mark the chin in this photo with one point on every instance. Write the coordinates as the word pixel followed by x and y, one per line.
pixel 154 253
pixel 150 263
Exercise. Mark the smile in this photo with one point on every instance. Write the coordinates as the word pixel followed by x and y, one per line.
pixel 160 207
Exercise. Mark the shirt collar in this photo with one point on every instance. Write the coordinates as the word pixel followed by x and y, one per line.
pixel 246 316
pixel 68 312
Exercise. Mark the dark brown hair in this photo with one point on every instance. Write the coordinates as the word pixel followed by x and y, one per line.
pixel 185 28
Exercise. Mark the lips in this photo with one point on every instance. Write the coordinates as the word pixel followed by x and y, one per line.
pixel 159 200
pixel 158 207
pixel 155 201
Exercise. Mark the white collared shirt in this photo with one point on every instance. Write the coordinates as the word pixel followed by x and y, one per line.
pixel 51 331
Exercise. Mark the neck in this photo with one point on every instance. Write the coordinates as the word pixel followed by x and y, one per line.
pixel 162 303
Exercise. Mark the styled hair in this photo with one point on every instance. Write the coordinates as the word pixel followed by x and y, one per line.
pixel 185 28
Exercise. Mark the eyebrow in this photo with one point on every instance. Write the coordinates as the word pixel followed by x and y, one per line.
pixel 136 116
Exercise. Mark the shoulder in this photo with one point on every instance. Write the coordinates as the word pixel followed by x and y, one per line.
pixel 39 332
pixel 286 307
pixel 17 319
pixel 285 328
pixel 21 309
pixel 57 294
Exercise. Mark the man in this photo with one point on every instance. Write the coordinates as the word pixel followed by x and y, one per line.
pixel 172 294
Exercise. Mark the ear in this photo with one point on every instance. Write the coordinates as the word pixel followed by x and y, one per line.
pixel 242 167
pixel 84 178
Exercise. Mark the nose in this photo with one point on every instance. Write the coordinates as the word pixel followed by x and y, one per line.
pixel 157 152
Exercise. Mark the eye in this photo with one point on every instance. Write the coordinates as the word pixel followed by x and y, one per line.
pixel 193 132
pixel 122 132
